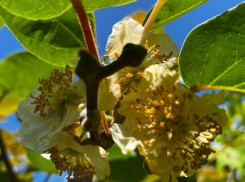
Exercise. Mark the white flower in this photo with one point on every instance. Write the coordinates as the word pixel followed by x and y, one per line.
pixel 79 159
pixel 161 51
pixel 172 125
pixel 49 108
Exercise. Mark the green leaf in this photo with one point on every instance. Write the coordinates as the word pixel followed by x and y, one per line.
pixel 92 5
pixel 19 74
pixel 171 10
pixel 41 163
pixel 56 41
pixel 116 154
pixel 48 9
pixel 127 169
pixel 213 54
pixel 231 155
pixel 1 22
pixel 36 9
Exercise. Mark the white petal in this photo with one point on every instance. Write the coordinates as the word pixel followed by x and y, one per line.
pixel 123 32
pixel 124 136
pixel 34 128
pixel 165 43
pixel 106 100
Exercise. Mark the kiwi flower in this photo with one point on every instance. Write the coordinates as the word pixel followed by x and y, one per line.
pixel 161 50
pixel 171 125
pixel 50 117
pixel 71 151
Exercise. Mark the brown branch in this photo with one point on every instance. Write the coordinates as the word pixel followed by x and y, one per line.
pixel 5 159
pixel 47 177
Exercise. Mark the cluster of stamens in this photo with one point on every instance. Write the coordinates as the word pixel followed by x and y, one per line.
pixel 54 91
pixel 129 78
pixel 75 163
pixel 162 118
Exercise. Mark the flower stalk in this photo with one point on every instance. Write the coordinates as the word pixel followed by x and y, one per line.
pixel 153 15
pixel 87 31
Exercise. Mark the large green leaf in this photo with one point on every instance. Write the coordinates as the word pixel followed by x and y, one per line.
pixel 92 5
pixel 19 74
pixel 48 9
pixel 40 162
pixel 36 9
pixel 171 10
pixel 127 168
pixel 56 41
pixel 1 22
pixel 116 154
pixel 213 54
pixel 231 155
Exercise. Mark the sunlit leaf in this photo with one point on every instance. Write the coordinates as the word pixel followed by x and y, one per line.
pixel 8 106
pixel 19 74
pixel 36 9
pixel 56 41
pixel 213 53
pixel 231 155
pixel 40 162
pixel 1 23
pixel 171 10
pixel 48 9
pixel 25 177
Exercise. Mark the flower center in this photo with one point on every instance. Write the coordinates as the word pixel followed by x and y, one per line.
pixel 54 92
pixel 129 78
pixel 73 162
pixel 166 118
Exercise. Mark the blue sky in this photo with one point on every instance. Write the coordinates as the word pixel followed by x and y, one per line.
pixel 106 18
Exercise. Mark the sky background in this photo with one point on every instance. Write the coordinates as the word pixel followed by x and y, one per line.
pixel 105 19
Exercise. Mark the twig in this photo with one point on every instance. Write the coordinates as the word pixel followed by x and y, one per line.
pixel 5 159
pixel 47 177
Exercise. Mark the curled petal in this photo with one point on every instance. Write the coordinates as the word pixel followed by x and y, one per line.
pixel 123 32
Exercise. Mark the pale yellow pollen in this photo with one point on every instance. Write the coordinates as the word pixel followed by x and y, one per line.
pixel 177 102
pixel 170 97
pixel 162 102
pixel 117 54
pixel 146 45
pixel 158 51
pixel 170 135
pixel 162 124
pixel 148 91
pixel 141 73
pixel 151 142
pixel 168 115
pixel 129 75
pixel 155 103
